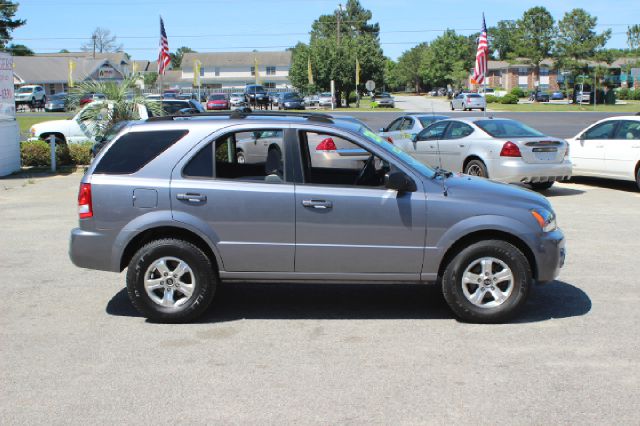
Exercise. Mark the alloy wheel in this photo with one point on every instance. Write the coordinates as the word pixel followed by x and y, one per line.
pixel 487 282
pixel 169 282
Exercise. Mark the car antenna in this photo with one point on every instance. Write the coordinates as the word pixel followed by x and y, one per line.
pixel 445 192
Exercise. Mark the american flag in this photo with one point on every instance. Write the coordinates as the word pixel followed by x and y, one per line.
pixel 482 53
pixel 163 56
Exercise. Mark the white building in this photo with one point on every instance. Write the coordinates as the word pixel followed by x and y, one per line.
pixel 233 70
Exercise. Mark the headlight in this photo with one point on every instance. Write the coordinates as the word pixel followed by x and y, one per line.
pixel 545 218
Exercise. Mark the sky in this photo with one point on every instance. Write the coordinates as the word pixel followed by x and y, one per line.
pixel 244 25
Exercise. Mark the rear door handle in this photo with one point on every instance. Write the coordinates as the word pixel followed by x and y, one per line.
pixel 317 204
pixel 192 198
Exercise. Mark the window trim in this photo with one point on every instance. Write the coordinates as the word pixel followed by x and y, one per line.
pixel 613 131
pixel 447 132
pixel 444 132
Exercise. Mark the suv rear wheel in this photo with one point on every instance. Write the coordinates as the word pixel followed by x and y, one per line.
pixel 171 281
pixel 487 282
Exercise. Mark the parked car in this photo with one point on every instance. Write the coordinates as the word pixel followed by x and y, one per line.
pixel 255 94
pixel 31 95
pixel 290 100
pixel 384 99
pixel 557 96
pixel 153 96
pixel 609 148
pixel 496 148
pixel 218 101
pixel 170 94
pixel 72 130
pixel 273 96
pixel 325 99
pixel 56 103
pixel 407 126
pixel 539 96
pixel 200 218
pixel 237 100
pixel 91 97
pixel 312 100
pixel 181 106
pixel 468 101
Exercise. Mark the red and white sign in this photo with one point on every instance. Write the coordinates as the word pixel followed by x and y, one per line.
pixel 7 100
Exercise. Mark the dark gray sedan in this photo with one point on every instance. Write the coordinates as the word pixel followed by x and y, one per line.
pixel 56 103
pixel 290 100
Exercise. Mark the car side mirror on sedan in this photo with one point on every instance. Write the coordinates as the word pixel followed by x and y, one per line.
pixel 382 129
pixel 399 181
pixel 414 138
pixel 582 137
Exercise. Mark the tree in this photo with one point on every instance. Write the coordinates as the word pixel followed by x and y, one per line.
pixel 577 40
pixel 448 60
pixel 8 10
pixel 535 36
pixel 335 60
pixel 150 78
pixel 102 41
pixel 409 66
pixel 633 37
pixel 100 116
pixel 19 50
pixel 503 39
pixel 176 57
pixel 391 79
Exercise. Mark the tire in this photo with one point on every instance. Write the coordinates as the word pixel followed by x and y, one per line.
pixel 505 279
pixel 200 281
pixel 240 157
pixel 482 109
pixel 638 177
pixel 476 168
pixel 541 186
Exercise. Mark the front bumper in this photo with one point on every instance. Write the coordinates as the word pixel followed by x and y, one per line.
pixel 217 106
pixel 550 255
pixel 517 171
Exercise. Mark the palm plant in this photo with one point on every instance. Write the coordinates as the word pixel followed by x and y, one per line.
pixel 123 102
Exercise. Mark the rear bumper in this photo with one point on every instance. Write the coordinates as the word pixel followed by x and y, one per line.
pixel 517 171
pixel 550 256
pixel 92 250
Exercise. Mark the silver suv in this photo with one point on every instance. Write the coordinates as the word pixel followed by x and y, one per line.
pixel 168 199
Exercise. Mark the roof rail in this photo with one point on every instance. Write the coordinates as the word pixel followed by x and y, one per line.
pixel 238 114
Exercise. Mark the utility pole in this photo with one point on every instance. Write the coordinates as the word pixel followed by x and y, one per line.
pixel 94 45
pixel 338 23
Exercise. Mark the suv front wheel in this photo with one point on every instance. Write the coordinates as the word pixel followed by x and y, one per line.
pixel 487 282
pixel 171 281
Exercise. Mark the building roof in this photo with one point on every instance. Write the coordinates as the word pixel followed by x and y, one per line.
pixel 142 65
pixel 113 57
pixel 236 59
pixel 47 69
pixel 523 63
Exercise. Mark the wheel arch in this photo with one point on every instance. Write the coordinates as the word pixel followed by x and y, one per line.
pixel 58 135
pixel 160 232
pixel 470 158
pixel 488 234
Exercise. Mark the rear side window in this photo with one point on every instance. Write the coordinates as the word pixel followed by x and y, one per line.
pixel 134 150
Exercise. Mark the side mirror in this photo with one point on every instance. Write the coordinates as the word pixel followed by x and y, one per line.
pixel 398 181
pixel 582 137
pixel 414 138
pixel 382 129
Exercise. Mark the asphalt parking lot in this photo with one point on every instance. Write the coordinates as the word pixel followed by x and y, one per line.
pixel 74 351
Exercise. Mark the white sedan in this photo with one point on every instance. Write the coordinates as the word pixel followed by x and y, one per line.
pixel 495 148
pixel 610 148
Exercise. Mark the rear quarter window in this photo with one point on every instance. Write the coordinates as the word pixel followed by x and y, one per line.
pixel 134 150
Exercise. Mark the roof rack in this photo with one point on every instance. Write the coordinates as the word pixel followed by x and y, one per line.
pixel 237 114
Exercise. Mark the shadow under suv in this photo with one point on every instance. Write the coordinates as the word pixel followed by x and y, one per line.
pixel 168 199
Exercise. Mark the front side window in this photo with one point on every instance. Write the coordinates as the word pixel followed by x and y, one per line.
pixel 434 131
pixel 251 155
pixel 601 131
pixel 407 124
pixel 332 160
pixel 628 130
pixel 394 126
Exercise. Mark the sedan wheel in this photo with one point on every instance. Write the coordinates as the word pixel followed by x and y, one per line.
pixel 240 158
pixel 476 168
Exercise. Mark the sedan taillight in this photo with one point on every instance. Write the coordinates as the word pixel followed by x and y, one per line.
pixel 327 144
pixel 510 149
pixel 85 207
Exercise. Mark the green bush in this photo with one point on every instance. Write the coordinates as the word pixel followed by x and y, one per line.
pixel 374 104
pixel 623 93
pixel 509 98
pixel 38 154
pixel 491 99
pixel 517 92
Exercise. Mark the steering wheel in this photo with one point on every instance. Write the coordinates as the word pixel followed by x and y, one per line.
pixel 368 170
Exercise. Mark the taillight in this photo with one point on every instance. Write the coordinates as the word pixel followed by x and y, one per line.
pixel 85 208
pixel 390 140
pixel 510 149
pixel 326 145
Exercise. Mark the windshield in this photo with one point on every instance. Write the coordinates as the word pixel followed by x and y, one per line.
pixel 325 94
pixel 291 95
pixel 507 129
pixel 216 98
pixel 253 89
pixel 394 150
pixel 59 96
pixel 25 90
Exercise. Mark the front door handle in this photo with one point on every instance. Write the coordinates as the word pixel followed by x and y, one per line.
pixel 192 198
pixel 317 204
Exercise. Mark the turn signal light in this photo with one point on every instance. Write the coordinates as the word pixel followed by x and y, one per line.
pixel 510 149
pixel 326 145
pixel 85 208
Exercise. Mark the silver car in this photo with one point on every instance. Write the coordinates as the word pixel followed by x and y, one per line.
pixel 469 101
pixel 167 200
pixel 407 126
pixel 385 100
pixel 495 148
pixel 236 100
pixel 325 99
